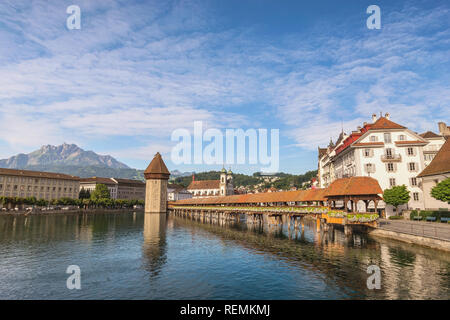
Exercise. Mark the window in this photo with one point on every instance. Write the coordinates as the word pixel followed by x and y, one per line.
pixel 413 182
pixel 370 168
pixel 410 151
pixel 402 137
pixel 416 196
pixel 1 186
pixel 390 167
pixel 387 137
pixel 367 152
pixel 373 138
pixel 392 182
pixel 412 166
pixel 388 153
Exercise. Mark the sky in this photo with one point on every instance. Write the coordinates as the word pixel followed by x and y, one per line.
pixel 138 70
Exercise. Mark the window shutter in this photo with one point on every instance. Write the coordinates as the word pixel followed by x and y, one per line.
pixel 395 167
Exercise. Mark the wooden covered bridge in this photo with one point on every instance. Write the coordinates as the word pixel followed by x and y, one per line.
pixel 275 208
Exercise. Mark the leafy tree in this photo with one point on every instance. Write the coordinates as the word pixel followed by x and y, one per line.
pixel 101 192
pixel 84 194
pixel 396 196
pixel 441 191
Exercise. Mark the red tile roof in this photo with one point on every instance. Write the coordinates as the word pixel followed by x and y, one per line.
pixel 204 184
pixel 383 123
pixel 354 186
pixel 429 134
pixel 441 162
pixel 368 144
pixel 411 142
pixel 37 174
pixel 266 197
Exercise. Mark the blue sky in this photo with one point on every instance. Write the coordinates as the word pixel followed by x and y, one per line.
pixel 137 70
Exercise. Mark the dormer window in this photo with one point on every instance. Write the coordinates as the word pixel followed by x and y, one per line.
pixel 373 138
pixel 402 137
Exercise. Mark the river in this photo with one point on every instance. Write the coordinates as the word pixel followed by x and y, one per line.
pixel 142 256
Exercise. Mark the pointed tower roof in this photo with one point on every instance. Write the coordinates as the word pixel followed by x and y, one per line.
pixel 157 169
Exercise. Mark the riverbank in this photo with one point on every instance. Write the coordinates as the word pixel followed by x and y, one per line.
pixel 72 211
pixel 428 234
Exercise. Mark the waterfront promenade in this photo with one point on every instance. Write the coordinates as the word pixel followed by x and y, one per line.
pixel 435 230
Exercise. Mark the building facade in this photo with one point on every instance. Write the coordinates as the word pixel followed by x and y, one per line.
pixel 384 150
pixel 124 189
pixel 177 192
pixel 211 188
pixel 42 185
pixel 128 189
pixel 89 184
pixel 437 171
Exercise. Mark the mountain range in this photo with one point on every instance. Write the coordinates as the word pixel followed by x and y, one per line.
pixel 71 159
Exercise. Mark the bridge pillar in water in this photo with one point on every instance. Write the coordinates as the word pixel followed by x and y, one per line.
pixel 348 230
pixel 318 224
pixel 156 176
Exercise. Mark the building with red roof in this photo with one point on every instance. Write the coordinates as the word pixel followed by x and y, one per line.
pixel 384 150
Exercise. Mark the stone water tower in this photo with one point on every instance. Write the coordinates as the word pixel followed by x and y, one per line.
pixel 156 176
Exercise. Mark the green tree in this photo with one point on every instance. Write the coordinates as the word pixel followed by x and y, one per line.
pixel 101 192
pixel 441 191
pixel 396 196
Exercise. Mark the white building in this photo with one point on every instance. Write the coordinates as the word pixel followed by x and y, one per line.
pixel 384 150
pixel 211 188
pixel 436 172
pixel 177 192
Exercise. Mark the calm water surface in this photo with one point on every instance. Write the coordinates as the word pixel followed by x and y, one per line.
pixel 139 256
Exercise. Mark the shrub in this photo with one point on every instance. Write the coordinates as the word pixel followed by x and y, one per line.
pixel 395 217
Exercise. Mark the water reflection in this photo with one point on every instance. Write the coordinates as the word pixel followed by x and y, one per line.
pixel 408 272
pixel 155 245
pixel 152 256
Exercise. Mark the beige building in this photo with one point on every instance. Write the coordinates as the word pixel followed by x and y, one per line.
pixel 128 189
pixel 42 185
pixel 430 150
pixel 435 172
pixel 124 189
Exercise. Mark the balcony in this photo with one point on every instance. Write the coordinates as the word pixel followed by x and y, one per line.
pixel 391 158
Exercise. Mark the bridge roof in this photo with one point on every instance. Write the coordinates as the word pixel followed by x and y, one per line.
pixel 266 197
pixel 353 186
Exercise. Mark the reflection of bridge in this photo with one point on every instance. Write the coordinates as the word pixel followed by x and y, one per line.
pixel 290 207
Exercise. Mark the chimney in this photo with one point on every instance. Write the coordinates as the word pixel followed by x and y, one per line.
pixel 387 115
pixel 359 128
pixel 374 118
pixel 365 124
pixel 442 128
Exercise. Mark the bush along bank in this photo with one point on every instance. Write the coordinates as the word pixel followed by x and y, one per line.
pixel 424 214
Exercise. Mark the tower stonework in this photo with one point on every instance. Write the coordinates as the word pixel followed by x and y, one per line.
pixel 156 176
